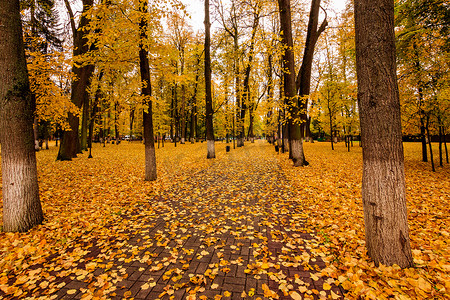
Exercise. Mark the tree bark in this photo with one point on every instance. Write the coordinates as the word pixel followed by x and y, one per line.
pixel 146 91
pixel 21 205
pixel 383 182
pixel 445 144
pixel 427 128
pixel 295 135
pixel 70 144
pixel 209 110
pixel 441 162
pixel 95 110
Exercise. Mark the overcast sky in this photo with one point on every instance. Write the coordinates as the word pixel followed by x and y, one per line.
pixel 196 9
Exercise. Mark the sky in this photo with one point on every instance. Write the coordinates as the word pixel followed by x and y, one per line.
pixel 196 9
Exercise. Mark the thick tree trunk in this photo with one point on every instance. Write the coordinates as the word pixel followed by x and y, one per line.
pixel 21 205
pixel 209 110
pixel 149 141
pixel 383 183
pixel 295 135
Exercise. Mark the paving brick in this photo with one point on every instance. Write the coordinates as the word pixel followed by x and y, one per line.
pixel 194 209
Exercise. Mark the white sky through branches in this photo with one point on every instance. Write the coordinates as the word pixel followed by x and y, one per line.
pixel 196 9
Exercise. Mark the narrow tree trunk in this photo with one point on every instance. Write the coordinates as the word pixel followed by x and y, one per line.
pixel 427 128
pixel 383 182
pixel 95 110
pixel 131 123
pixel 209 110
pixel 331 120
pixel 441 162
pixel 445 144
pixel 194 106
pixel 251 135
pixel 116 122
pixel 35 131
pixel 150 157
pixel 423 140
pixel 21 205
pixel 183 114
pixel 84 124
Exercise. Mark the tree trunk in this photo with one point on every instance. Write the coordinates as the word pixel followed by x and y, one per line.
pixel 383 182
pixel 84 124
pixel 331 120
pixel 251 135
pixel 303 81
pixel 295 135
pixel 70 144
pixel 445 144
pixel 131 122
pixel 21 205
pixel 183 114
pixel 193 129
pixel 441 162
pixel 427 128
pixel 149 141
pixel 95 110
pixel 209 109
pixel 423 139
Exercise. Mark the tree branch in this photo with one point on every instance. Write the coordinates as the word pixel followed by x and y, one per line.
pixel 72 18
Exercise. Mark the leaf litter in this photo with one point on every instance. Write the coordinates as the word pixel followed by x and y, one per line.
pixel 205 221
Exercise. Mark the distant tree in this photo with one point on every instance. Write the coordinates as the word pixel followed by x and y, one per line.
pixel 383 182
pixel 209 109
pixel 21 206
pixel 422 29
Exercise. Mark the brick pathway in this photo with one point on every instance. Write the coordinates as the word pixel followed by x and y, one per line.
pixel 232 231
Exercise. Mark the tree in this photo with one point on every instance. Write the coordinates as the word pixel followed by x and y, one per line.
pixel 290 93
pixel 146 92
pixel 21 205
pixel 423 50
pixel 209 109
pixel 383 182
pixel 70 144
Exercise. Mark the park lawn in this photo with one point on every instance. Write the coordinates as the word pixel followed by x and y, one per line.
pixel 82 198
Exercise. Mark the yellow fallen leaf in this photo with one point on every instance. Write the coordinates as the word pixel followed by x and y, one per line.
pixel 424 285
pixel 334 295
pixel 302 289
pixel 71 292
pixel 326 286
pixel 296 296
pixel 227 294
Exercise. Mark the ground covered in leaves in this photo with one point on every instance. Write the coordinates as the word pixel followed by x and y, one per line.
pixel 245 225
